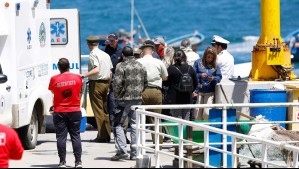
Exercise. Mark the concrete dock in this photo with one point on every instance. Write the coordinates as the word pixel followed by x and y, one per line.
pixel 95 155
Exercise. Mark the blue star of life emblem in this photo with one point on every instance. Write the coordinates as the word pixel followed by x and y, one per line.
pixel 29 35
pixel 57 29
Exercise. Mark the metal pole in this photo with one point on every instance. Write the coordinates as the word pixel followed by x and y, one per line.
pixel 264 155
pixel 138 133
pixel 157 141
pixel 224 137
pixel 132 23
pixel 181 146
pixel 189 148
pixel 234 151
pixel 142 25
pixel 217 106
pixel 295 159
pixel 143 137
pixel 207 150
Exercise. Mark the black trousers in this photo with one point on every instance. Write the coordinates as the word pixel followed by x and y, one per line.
pixel 68 123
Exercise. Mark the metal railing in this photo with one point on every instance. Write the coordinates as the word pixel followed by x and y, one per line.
pixel 141 130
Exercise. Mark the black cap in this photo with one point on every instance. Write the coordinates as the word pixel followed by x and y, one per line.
pixel 112 36
pixel 148 43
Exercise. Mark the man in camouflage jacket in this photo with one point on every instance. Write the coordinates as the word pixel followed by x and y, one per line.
pixel 130 81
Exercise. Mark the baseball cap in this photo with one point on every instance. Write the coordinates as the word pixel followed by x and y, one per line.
pixel 159 40
pixel 112 36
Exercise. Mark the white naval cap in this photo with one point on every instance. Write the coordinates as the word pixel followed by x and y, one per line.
pixel 219 39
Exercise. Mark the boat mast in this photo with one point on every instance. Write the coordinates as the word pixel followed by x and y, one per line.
pixel 132 22
pixel 142 25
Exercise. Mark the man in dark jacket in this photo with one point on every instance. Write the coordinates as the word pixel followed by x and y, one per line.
pixel 114 51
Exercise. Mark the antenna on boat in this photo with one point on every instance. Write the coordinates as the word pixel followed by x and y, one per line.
pixel 132 23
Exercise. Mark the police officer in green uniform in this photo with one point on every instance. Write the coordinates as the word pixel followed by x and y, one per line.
pixel 99 75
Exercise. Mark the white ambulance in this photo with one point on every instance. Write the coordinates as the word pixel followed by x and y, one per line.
pixel 32 39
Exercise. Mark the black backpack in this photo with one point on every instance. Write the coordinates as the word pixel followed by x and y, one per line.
pixel 186 82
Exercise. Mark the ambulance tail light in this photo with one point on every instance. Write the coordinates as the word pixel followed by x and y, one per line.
pixel 48 1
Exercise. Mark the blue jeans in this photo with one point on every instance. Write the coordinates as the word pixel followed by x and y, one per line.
pixel 123 112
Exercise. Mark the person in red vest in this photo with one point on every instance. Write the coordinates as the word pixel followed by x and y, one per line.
pixel 160 46
pixel 10 146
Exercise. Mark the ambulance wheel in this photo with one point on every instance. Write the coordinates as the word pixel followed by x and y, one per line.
pixel 29 133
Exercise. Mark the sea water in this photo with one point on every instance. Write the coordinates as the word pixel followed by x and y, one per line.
pixel 236 20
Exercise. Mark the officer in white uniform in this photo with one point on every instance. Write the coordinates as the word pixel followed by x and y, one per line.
pixel 225 61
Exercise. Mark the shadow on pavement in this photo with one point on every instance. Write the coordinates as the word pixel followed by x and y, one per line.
pixel 108 159
pixel 46 166
pixel 88 141
pixel 42 142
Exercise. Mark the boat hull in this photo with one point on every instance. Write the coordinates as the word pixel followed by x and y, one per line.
pixel 196 40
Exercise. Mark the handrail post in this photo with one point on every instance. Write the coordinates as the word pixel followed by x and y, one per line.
pixel 264 155
pixel 181 146
pixel 224 137
pixel 157 142
pixel 295 159
pixel 189 148
pixel 206 148
pixel 138 133
pixel 234 152
pixel 143 137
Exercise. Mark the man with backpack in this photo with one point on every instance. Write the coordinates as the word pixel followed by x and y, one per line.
pixel 182 82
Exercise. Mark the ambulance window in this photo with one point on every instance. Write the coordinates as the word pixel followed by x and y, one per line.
pixel 1 70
